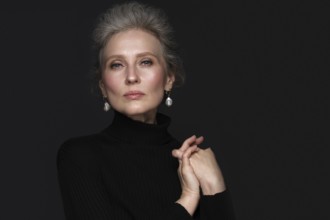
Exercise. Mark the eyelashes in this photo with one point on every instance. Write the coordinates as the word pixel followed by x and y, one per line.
pixel 147 62
pixel 115 65
pixel 118 65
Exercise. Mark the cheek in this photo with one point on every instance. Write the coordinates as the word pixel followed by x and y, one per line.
pixel 157 80
pixel 111 84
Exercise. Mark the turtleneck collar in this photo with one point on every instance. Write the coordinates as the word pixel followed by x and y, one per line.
pixel 136 132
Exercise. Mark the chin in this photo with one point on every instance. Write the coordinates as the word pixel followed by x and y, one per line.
pixel 134 110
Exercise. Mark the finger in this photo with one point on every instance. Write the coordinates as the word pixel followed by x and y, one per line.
pixel 189 151
pixel 177 153
pixel 185 163
pixel 186 166
pixel 179 167
pixel 189 141
pixel 199 140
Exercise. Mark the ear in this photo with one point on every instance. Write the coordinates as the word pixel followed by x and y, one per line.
pixel 102 87
pixel 170 79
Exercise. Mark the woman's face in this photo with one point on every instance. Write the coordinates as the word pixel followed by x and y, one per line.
pixel 134 75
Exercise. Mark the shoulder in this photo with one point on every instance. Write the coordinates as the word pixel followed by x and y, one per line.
pixel 81 145
pixel 81 151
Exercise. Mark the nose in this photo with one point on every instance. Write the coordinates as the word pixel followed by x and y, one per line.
pixel 132 76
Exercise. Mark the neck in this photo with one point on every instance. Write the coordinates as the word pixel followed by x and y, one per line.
pixel 132 131
pixel 146 117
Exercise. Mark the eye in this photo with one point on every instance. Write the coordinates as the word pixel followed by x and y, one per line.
pixel 115 65
pixel 146 62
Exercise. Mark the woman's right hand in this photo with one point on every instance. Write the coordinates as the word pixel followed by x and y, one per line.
pixel 189 183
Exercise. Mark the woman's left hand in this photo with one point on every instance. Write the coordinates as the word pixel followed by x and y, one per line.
pixel 206 169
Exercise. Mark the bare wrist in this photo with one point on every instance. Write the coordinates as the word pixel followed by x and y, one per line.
pixel 189 202
pixel 213 188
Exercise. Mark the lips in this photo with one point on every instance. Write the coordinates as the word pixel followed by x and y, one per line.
pixel 133 95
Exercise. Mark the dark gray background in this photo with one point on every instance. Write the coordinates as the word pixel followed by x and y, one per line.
pixel 257 89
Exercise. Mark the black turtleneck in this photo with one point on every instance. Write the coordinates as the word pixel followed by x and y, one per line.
pixel 127 172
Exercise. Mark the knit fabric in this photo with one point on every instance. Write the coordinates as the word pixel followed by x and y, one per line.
pixel 127 172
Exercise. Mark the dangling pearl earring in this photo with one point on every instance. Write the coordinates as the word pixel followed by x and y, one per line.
pixel 107 106
pixel 168 101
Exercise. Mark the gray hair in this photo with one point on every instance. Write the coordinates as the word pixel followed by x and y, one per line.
pixel 135 15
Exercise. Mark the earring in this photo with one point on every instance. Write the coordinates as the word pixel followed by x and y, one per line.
pixel 168 101
pixel 106 106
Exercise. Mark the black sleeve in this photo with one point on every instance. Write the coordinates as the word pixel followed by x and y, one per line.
pixel 177 212
pixel 217 207
pixel 84 195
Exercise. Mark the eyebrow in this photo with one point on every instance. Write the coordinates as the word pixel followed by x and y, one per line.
pixel 138 55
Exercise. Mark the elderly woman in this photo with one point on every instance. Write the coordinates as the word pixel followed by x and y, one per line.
pixel 134 169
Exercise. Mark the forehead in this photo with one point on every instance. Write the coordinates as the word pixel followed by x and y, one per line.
pixel 132 41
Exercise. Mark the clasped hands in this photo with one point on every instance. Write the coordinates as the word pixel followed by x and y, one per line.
pixel 198 169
